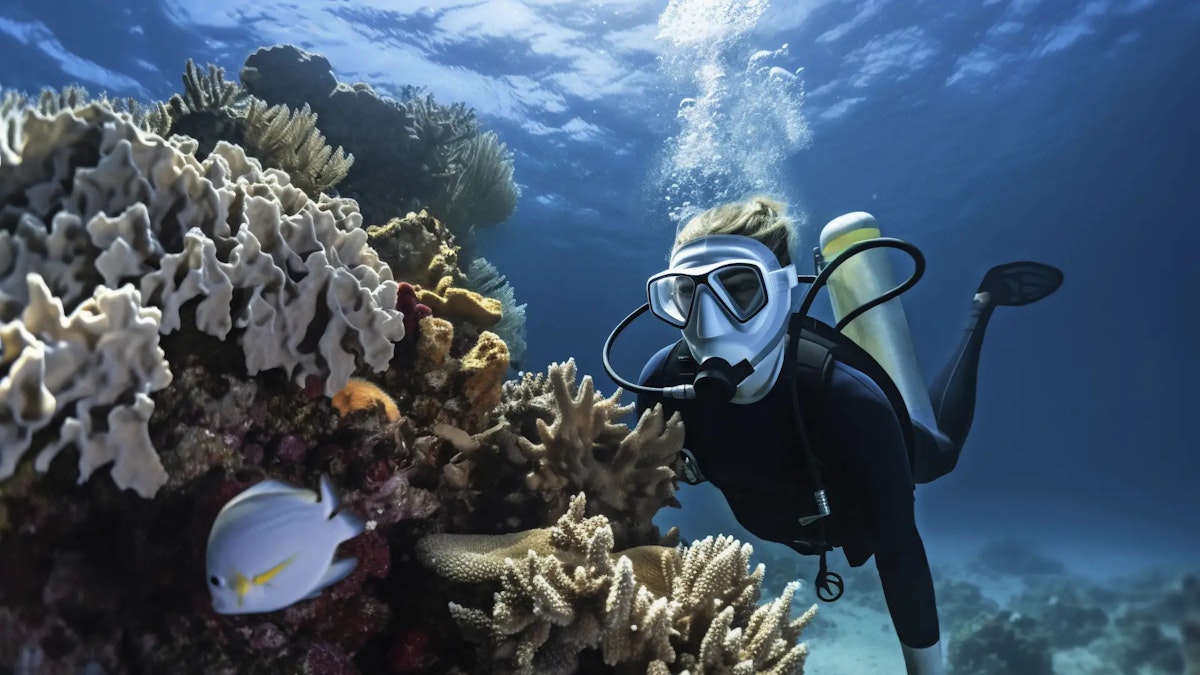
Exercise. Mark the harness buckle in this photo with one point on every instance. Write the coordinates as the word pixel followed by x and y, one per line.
pixel 823 510
pixel 690 468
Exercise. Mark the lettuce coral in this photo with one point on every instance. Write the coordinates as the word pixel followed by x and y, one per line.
pixel 60 372
pixel 88 199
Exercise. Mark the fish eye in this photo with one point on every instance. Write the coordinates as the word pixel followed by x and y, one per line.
pixel 215 581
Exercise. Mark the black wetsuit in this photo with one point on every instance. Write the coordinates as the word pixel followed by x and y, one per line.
pixel 750 453
pixel 747 451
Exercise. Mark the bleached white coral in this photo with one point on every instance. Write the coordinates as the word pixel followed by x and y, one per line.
pixel 89 198
pixel 58 371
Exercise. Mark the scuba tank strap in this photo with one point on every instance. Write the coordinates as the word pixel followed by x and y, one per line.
pixel 808 364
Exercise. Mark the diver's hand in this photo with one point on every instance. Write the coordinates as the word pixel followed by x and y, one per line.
pixel 924 661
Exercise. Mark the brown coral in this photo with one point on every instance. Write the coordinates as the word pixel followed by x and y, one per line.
pixel 576 442
pixel 485 366
pixel 563 591
pixel 417 247
pixel 463 305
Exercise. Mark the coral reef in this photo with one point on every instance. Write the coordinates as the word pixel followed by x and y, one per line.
pixel 212 110
pixel 961 602
pixel 92 201
pixel 1065 611
pixel 202 322
pixel 442 160
pixel 564 592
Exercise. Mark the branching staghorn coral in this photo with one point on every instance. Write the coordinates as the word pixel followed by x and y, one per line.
pixel 568 438
pixel 563 590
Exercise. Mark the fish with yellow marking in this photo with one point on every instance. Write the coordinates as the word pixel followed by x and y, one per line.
pixel 273 544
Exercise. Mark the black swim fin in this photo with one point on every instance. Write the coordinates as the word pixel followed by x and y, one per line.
pixel 1020 283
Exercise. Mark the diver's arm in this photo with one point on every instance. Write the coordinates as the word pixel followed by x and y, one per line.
pixel 871 437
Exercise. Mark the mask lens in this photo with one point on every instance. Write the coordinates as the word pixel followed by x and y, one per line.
pixel 671 298
pixel 743 290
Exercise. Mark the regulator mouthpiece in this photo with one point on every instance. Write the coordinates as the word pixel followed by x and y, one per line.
pixel 718 381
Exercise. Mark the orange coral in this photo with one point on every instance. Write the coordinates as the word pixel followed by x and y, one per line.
pixel 485 366
pixel 359 394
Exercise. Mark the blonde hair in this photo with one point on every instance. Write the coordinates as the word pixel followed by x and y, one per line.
pixel 758 217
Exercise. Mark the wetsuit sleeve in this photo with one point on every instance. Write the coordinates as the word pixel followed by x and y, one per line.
pixel 645 401
pixel 870 436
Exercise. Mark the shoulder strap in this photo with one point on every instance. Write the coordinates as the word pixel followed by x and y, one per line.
pixel 820 345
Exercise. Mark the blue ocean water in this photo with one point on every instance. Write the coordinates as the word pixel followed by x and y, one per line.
pixel 983 131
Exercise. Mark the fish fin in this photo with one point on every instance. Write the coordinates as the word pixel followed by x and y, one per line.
pixel 338 570
pixel 269 487
pixel 349 525
pixel 329 496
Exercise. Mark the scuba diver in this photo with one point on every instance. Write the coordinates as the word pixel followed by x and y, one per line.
pixel 817 434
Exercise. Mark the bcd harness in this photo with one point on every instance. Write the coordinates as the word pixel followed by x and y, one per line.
pixel 808 365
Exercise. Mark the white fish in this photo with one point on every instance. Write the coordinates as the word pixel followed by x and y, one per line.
pixel 273 545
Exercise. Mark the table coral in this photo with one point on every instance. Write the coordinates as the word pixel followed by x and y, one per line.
pixel 265 303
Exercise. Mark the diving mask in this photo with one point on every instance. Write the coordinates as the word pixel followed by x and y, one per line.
pixel 732 300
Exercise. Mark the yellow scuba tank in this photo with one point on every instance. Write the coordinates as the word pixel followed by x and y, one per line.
pixel 883 330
